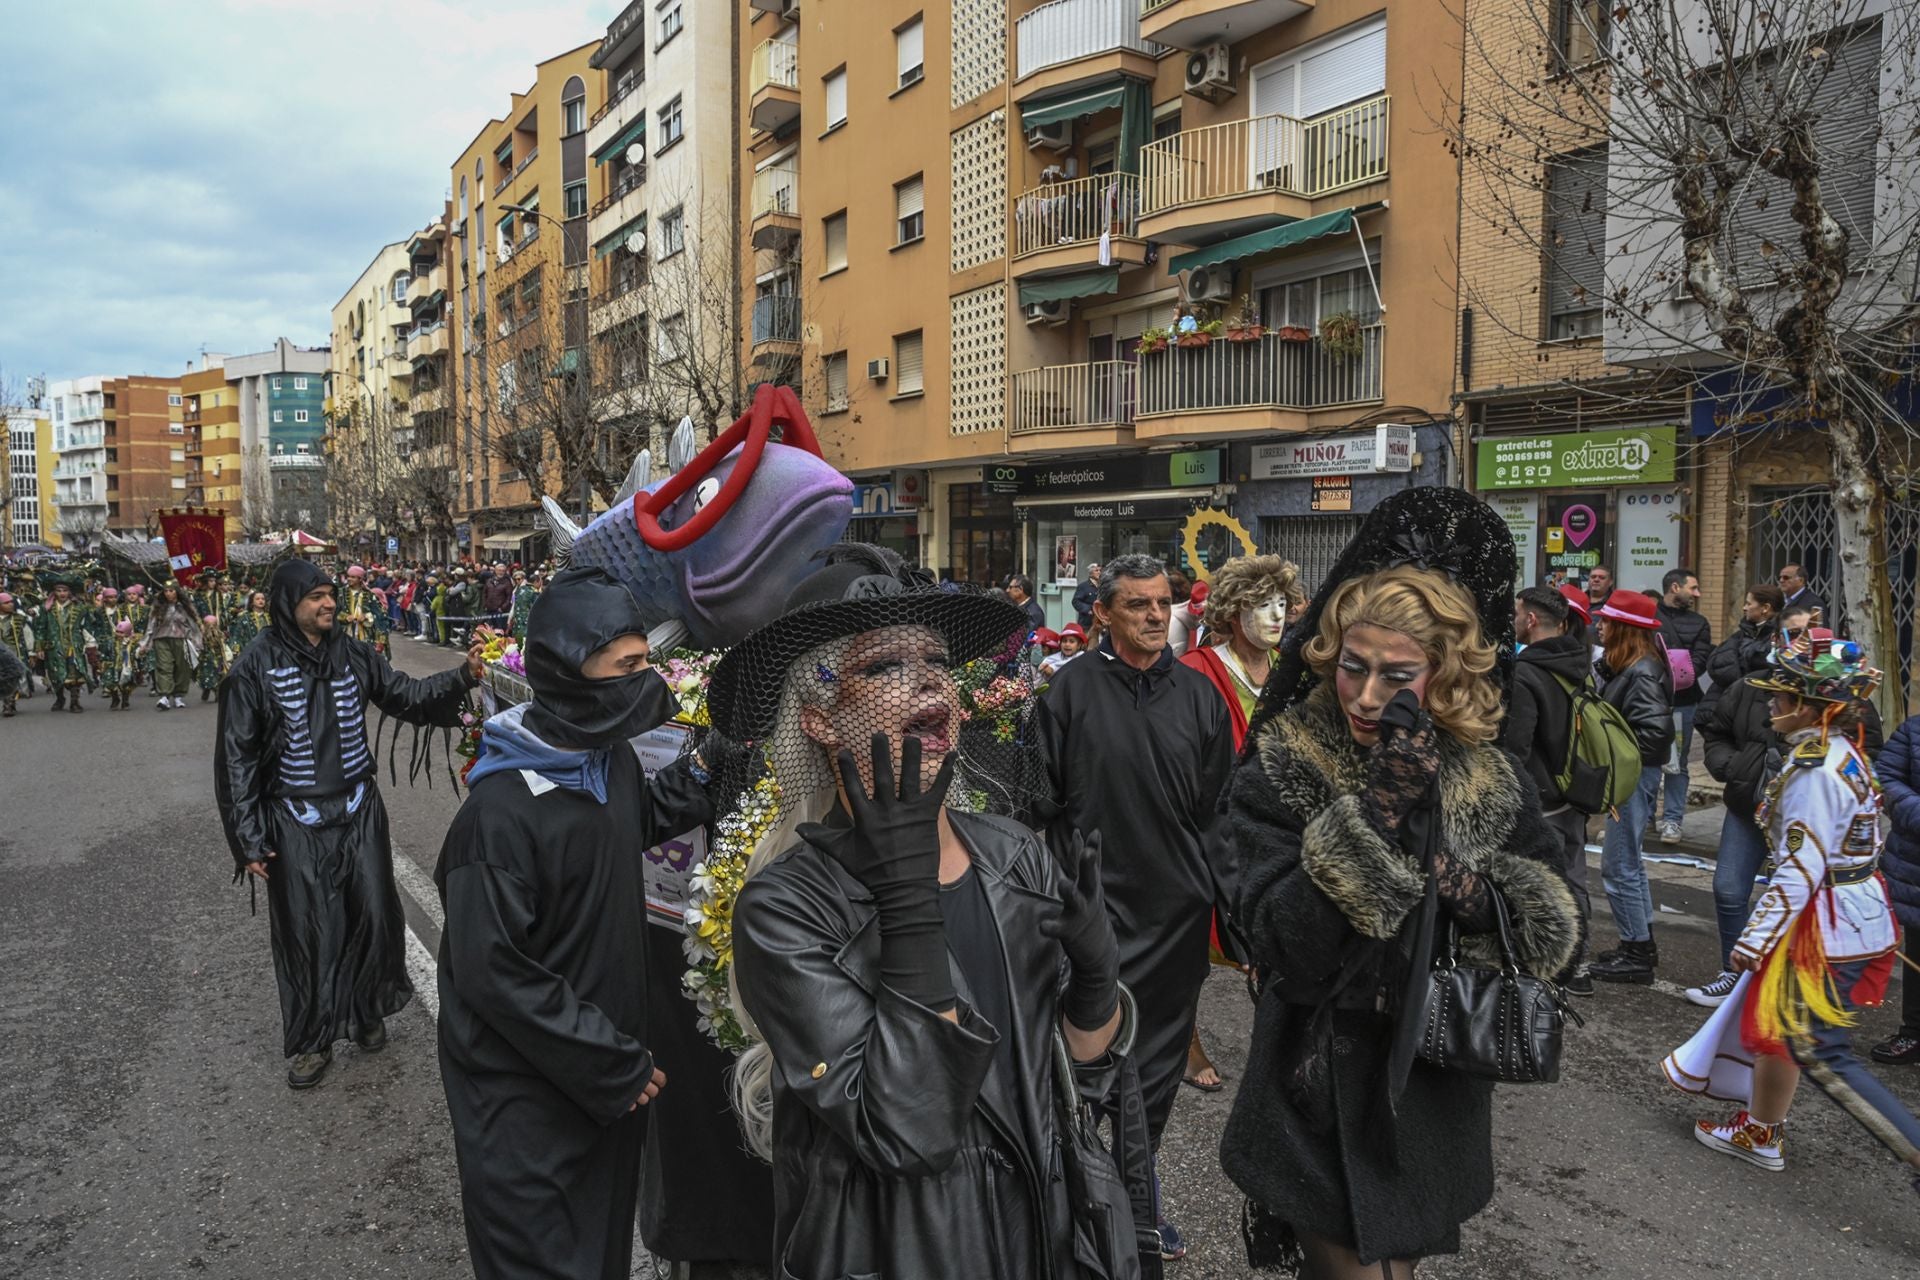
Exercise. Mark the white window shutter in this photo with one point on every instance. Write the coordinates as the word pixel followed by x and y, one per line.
pixel 907 364
pixel 909 46
pixel 909 198
pixel 1345 72
pixel 837 381
pixel 836 242
pixel 836 98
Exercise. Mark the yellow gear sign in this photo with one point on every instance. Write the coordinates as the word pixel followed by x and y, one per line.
pixel 1199 520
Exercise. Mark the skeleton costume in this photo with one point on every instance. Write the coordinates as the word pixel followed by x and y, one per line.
pixel 1822 935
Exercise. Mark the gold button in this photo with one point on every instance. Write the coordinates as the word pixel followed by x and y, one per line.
pixel 819 1069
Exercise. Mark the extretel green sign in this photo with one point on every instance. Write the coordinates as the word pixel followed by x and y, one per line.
pixel 1636 455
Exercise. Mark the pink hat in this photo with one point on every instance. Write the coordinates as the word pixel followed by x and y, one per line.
pixel 108 593
pixel 1632 609
pixel 123 627
pixel 1577 601
pixel 136 590
pixel 209 621
pixel 5 598
pixel 356 571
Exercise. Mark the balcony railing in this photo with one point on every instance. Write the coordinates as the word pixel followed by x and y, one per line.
pixel 1068 30
pixel 776 189
pixel 776 63
pixel 1269 372
pixel 631 180
pixel 526 160
pixel 1072 397
pixel 1071 212
pixel 1343 148
pixel 620 95
pixel 776 319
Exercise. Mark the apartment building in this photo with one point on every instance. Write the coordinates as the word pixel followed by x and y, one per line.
pixel 368 392
pixel 500 305
pixel 667 231
pixel 1088 156
pixel 30 516
pixel 210 416
pixel 280 398
pixel 121 455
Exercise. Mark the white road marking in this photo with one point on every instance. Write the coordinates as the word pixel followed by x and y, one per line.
pixel 424 973
pixel 419 888
pixel 420 963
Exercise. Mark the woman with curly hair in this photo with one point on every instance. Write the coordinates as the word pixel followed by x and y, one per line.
pixel 1375 743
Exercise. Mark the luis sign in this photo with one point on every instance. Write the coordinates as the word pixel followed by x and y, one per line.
pixel 1636 455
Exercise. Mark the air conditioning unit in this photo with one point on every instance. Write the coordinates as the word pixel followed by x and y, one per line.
pixel 1209 284
pixel 1210 72
pixel 1052 137
pixel 1054 312
pixel 877 370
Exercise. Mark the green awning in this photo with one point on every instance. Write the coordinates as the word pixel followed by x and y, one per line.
pixel 618 236
pixel 626 137
pixel 1057 288
pixel 1336 223
pixel 1072 105
pixel 569 363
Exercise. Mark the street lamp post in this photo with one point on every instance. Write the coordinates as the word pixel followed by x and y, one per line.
pixel 596 443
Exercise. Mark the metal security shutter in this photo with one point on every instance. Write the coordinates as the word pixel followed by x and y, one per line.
pixel 1346 71
pixel 1576 235
pixel 836 241
pixel 906 364
pixel 1846 134
pixel 836 98
pixel 1311 542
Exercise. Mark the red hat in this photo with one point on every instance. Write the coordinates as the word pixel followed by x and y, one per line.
pixel 1631 608
pixel 1047 637
pixel 1198 596
pixel 1577 601
pixel 1075 630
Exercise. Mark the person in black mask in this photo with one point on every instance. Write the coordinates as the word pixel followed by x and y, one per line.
pixel 543 960
pixel 295 781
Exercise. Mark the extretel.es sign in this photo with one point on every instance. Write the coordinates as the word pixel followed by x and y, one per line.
pixel 1635 455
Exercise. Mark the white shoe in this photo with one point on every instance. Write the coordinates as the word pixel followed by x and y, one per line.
pixel 1669 833
pixel 1711 995
pixel 181 703
pixel 1745 1138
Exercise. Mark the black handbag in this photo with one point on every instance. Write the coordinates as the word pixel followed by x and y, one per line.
pixel 1498 1024
pixel 1114 1226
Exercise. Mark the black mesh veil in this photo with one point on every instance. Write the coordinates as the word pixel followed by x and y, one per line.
pixel 868 646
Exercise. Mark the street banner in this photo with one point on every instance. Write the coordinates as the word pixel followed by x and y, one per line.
pixel 196 542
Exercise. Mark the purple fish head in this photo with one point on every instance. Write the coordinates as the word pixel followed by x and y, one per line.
pixel 737 577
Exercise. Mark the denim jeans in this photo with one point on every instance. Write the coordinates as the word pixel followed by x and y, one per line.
pixel 1674 808
pixel 1743 851
pixel 1622 874
pixel 1829 1060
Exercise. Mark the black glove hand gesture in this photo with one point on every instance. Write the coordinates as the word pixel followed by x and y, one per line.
pixel 894 850
pixel 1402 765
pixel 1085 933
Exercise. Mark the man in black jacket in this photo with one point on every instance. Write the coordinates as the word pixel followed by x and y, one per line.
pixel 1793 585
pixel 1539 732
pixel 1084 595
pixel 294 779
pixel 1682 627
pixel 1744 753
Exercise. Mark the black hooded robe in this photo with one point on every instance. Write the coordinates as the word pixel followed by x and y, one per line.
pixel 543 1013
pixel 294 774
pixel 1143 757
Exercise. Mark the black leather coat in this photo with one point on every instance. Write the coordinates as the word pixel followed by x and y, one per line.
pixel 895 1152
pixel 1644 695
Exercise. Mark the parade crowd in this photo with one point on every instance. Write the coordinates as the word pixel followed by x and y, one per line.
pixel 969 938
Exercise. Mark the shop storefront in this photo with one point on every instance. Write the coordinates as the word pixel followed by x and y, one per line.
pixel 880 517
pixel 1579 500
pixel 1088 510
pixel 1304 497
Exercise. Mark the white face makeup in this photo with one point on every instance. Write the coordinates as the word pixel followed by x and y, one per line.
pixel 1264 622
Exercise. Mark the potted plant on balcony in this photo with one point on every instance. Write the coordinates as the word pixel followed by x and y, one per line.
pixel 1293 333
pixel 1189 332
pixel 1245 325
pixel 1340 335
pixel 1152 340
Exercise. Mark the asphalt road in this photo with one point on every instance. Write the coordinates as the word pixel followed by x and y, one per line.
pixel 146 1132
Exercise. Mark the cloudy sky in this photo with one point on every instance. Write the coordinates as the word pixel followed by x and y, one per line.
pixel 215 173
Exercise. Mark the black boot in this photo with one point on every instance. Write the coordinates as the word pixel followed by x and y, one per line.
pixel 1632 963
pixel 60 697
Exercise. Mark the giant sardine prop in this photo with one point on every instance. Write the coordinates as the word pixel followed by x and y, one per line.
pixel 711 552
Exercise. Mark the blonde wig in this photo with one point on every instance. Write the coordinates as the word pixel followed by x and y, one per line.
pixel 1437 614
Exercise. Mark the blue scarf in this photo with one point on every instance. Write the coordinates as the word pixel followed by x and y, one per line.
pixel 506 744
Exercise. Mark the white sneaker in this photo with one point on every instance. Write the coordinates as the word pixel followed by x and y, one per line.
pixel 1669 833
pixel 1747 1139
pixel 160 705
pixel 181 703
pixel 1711 995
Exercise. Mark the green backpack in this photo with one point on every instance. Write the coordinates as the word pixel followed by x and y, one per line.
pixel 1603 757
